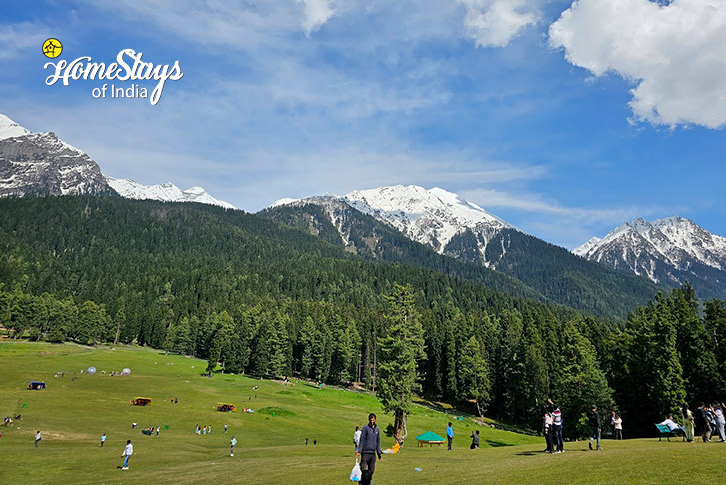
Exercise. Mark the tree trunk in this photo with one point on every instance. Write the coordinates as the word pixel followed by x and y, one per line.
pixel 118 330
pixel 399 427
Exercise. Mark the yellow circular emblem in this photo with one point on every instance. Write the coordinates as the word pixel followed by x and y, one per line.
pixel 52 48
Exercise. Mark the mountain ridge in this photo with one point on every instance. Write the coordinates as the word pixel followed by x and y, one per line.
pixel 33 164
pixel 671 250
pixel 547 269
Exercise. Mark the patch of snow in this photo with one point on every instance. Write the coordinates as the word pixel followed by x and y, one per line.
pixel 10 129
pixel 285 201
pixel 167 192
pixel 430 217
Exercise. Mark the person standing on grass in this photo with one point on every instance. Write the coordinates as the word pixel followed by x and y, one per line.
pixel 158 428
pixel 368 447
pixel 719 421
pixel 548 431
pixel 37 438
pixel 103 439
pixel 594 420
pixel 356 437
pixel 702 423
pixel 232 442
pixel 128 451
pixel 688 422
pixel 225 427
pixel 618 427
pixel 449 435
pixel 557 428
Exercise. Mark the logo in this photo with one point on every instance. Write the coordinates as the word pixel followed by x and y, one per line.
pixel 52 48
pixel 129 66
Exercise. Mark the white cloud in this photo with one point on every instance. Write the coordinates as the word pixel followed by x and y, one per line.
pixel 535 203
pixel 494 23
pixel 673 53
pixel 317 12
pixel 19 38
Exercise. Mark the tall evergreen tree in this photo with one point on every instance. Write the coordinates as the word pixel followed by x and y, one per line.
pixel 474 374
pixel 401 348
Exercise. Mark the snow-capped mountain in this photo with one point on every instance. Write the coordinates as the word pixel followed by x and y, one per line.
pixel 434 217
pixel 669 251
pixel 43 164
pixel 409 225
pixel 167 192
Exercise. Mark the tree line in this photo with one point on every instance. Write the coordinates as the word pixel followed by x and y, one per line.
pixel 256 297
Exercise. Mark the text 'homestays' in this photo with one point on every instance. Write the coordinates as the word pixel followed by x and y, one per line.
pixel 128 67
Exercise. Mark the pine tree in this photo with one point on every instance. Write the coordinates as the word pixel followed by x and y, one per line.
pixel 579 383
pixel 401 348
pixel 307 334
pixel 182 341
pixel 474 374
pixel 668 389
pixel 697 356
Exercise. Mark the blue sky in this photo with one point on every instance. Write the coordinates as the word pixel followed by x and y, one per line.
pixel 563 119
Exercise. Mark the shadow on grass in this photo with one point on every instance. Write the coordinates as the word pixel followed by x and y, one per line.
pixel 528 453
pixel 497 444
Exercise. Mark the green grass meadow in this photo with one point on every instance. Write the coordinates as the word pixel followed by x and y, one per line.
pixel 72 415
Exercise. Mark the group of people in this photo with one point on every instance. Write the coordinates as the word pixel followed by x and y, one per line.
pixel 204 430
pixel 552 429
pixel 707 421
pixel 8 421
pixel 150 430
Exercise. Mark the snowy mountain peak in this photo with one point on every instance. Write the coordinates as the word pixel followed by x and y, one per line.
pixel 167 192
pixel 668 250
pixel 430 216
pixel 585 248
pixel 10 129
pixel 43 164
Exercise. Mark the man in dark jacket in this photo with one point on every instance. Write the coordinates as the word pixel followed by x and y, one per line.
pixel 368 447
pixel 594 419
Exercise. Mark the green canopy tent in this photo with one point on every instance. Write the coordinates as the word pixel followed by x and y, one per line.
pixel 429 438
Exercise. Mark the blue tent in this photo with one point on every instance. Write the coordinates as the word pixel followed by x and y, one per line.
pixel 36 385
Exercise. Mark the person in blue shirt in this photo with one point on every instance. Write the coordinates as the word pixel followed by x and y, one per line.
pixel 368 447
pixel 450 435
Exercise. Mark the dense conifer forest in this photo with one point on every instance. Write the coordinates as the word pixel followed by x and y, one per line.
pixel 262 298
pixel 551 271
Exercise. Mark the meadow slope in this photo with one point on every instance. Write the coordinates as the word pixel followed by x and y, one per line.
pixel 72 415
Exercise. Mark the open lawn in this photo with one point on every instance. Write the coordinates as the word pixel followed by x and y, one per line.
pixel 72 415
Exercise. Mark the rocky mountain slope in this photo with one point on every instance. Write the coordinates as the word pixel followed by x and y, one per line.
pixel 668 251
pixel 410 225
pixel 43 164
pixel 35 164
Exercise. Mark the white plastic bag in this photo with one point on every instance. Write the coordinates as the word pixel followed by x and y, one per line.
pixel 356 474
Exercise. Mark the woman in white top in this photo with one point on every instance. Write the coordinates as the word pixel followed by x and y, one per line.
pixel 618 422
pixel 720 421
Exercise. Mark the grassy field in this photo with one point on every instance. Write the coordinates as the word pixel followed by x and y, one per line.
pixel 72 415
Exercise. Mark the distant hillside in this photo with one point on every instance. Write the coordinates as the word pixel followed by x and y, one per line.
pixel 548 270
